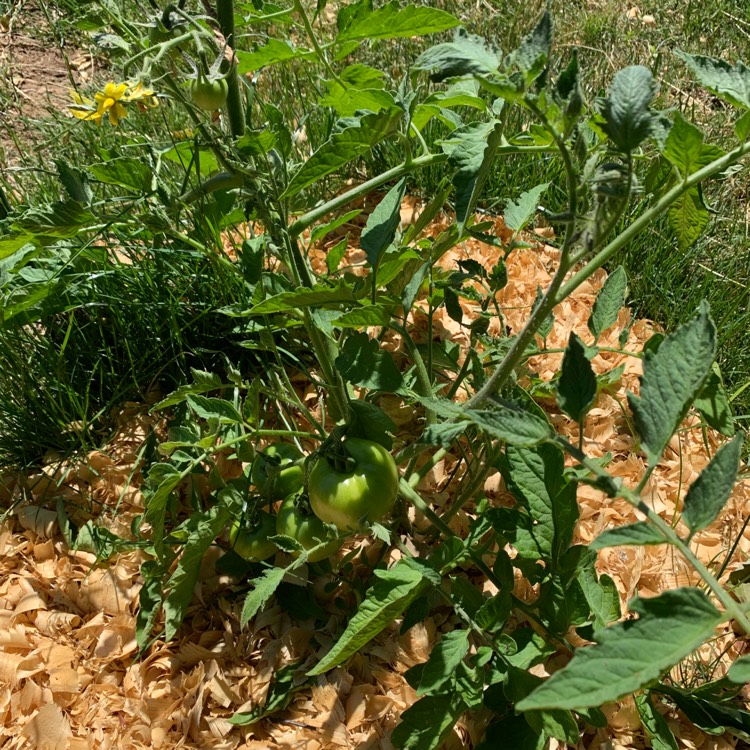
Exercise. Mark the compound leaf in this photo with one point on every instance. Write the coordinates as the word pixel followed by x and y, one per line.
pixel 608 302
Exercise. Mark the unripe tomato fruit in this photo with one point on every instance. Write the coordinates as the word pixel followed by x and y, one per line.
pixel 209 95
pixel 366 493
pixel 300 523
pixel 253 544
pixel 278 480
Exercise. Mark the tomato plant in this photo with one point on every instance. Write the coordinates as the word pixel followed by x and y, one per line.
pixel 358 489
pixel 295 519
pixel 252 542
pixel 278 471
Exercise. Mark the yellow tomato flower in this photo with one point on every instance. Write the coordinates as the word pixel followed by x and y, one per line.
pixel 111 102
pixel 108 102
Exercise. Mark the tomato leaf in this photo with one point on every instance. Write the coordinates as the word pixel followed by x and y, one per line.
pixel 385 601
pixel 426 724
pixel 388 22
pixel 672 378
pixel 518 213
pixel 204 528
pixel 357 137
pixel 472 156
pixel 708 494
pixel 510 424
pixel 362 362
pixel 265 586
pixel 467 54
pixel 576 389
pixel 536 479
pixel 630 655
pixel 382 223
pixel 272 52
pixel 713 403
pixel 640 532
pixel 608 302
pixel 370 422
pixel 688 217
pixel 319 296
pixel 531 56
pixel 214 408
pixel 628 118
pixel 729 82
pixel 655 724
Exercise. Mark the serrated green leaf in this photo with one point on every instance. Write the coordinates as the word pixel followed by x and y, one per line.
pixel 630 655
pixel 426 724
pixel 672 378
pixel 536 479
pixel 344 146
pixel 382 223
pixel 444 434
pixel 708 494
pixel 688 217
pixel 265 586
pixel 655 724
pixel 272 52
pixel 628 118
pixel 600 592
pixel 556 723
pixel 362 362
pixel 467 54
pixel 640 532
pixel 608 302
pixel 519 213
pixel 472 158
pixel 284 686
pixel 322 230
pixel 163 479
pixel 321 295
pixel 385 601
pixel 728 82
pixel 59 220
pixel 576 388
pixel 683 145
pixel 181 584
pixel 510 424
pixel 202 383
pixel 513 731
pixel 370 422
pixel 713 403
pixel 335 255
pixel 444 660
pixel 127 172
pixel 214 408
pixel 388 22
pixel 531 56
pixel 363 317
pixel 348 101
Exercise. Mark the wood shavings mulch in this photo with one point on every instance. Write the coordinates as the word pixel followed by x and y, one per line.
pixel 70 676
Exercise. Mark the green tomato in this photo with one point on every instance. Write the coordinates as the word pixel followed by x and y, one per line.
pixel 275 480
pixel 253 544
pixel 296 520
pixel 209 95
pixel 364 494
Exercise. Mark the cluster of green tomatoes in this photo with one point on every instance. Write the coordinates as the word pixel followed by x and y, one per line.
pixel 343 491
